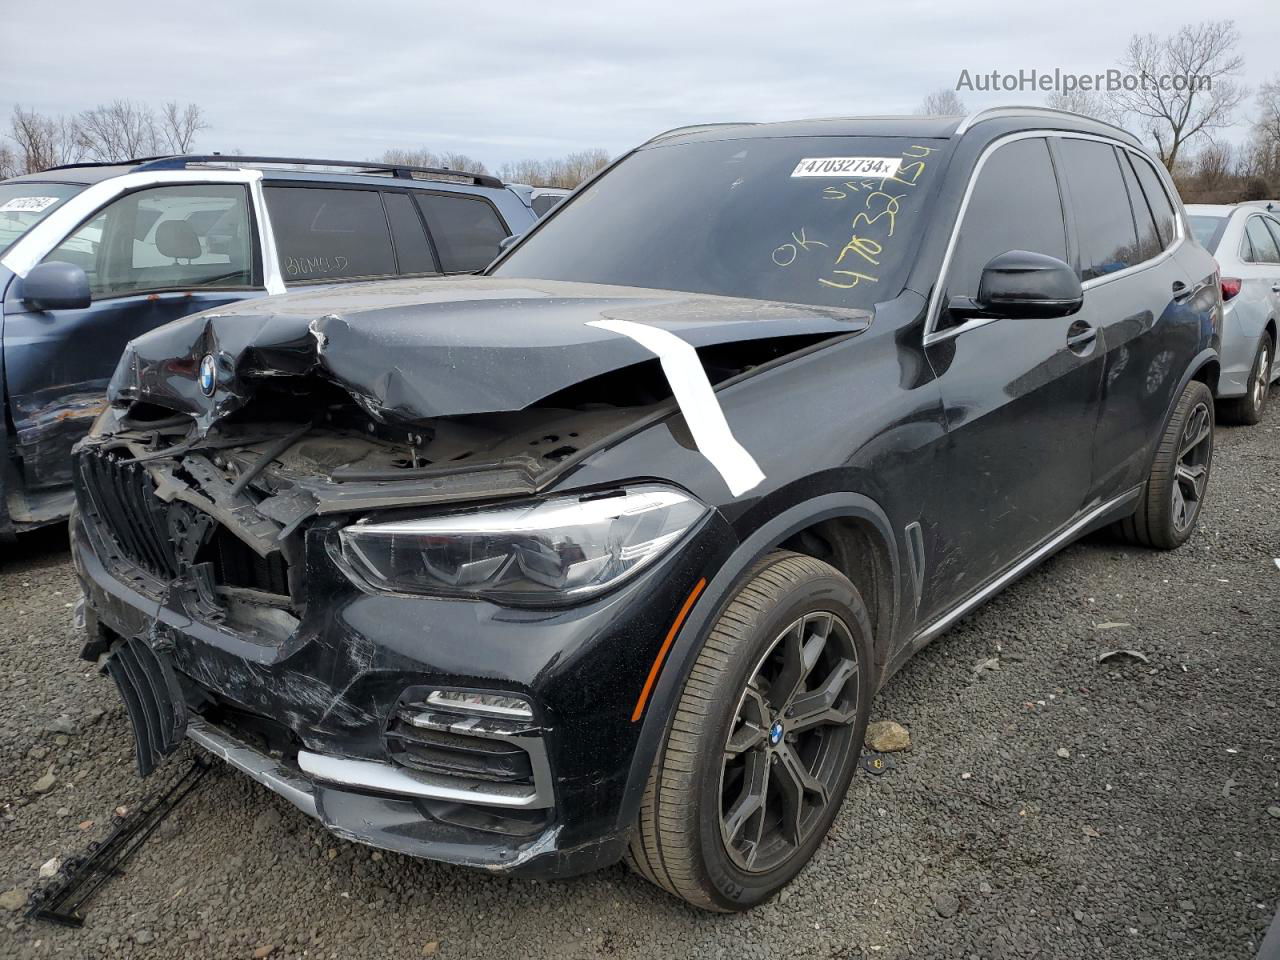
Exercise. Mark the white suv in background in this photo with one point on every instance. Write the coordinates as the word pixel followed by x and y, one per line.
pixel 1245 240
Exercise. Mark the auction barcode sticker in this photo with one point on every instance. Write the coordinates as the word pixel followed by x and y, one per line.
pixel 27 204
pixel 847 167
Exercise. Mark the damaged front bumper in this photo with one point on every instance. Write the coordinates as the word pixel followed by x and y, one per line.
pixel 315 716
pixel 399 822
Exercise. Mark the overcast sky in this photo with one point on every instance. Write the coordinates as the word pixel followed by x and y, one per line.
pixel 502 81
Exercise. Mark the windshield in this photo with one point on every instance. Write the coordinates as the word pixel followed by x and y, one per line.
pixel 1208 230
pixel 830 221
pixel 23 205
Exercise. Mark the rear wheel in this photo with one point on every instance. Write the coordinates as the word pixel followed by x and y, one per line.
pixel 765 739
pixel 1248 409
pixel 1170 503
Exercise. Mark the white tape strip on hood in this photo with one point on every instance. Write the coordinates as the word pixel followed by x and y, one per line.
pixel 697 401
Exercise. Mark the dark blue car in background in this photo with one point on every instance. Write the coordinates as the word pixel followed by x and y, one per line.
pixel 92 255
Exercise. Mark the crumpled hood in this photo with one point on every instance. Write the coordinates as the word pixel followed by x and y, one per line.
pixel 410 350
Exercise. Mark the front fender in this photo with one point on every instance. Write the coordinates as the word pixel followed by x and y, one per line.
pixel 716 596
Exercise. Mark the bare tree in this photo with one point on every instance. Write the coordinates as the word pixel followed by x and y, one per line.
pixel 41 142
pixel 125 129
pixel 524 171
pixel 1084 102
pixel 1215 167
pixel 120 130
pixel 411 158
pixel 1182 86
pixel 423 157
pixel 567 171
pixel 1264 148
pixel 451 160
pixel 8 162
pixel 179 126
pixel 943 102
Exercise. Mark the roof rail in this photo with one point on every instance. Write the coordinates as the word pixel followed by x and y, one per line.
pixel 994 113
pixel 400 170
pixel 103 163
pixel 694 127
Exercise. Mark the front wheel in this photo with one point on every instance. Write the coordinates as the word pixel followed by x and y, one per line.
pixel 1170 504
pixel 765 738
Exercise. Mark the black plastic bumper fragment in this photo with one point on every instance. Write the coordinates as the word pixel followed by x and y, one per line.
pixel 63 900
pixel 152 697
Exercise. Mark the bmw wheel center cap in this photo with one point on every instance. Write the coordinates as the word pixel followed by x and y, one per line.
pixel 208 375
pixel 775 733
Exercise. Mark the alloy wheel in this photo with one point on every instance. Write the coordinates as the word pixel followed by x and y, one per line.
pixel 789 742
pixel 1261 380
pixel 1192 469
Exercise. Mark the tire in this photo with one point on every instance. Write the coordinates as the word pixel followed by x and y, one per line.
pixel 1174 493
pixel 701 782
pixel 1247 410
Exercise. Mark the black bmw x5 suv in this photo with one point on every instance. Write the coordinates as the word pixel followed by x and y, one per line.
pixel 605 552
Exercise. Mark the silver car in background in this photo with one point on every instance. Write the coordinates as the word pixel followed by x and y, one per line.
pixel 1245 240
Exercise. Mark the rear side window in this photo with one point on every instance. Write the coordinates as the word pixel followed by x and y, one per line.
pixel 330 234
pixel 413 251
pixel 1149 245
pixel 1014 206
pixel 165 238
pixel 1260 239
pixel 1274 227
pixel 542 205
pixel 1157 197
pixel 1208 230
pixel 466 230
pixel 1108 239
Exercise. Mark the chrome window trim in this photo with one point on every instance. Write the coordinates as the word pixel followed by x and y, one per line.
pixel 934 309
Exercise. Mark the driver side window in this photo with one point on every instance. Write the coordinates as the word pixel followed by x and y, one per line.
pixel 1015 205
pixel 165 238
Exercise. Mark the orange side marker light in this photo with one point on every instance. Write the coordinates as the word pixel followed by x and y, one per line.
pixel 666 646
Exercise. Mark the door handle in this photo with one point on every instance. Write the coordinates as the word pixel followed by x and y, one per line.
pixel 1181 291
pixel 1080 336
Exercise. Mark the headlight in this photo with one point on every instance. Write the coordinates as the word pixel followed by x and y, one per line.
pixel 555 550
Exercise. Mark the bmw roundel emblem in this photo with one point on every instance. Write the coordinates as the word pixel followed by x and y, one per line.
pixel 208 375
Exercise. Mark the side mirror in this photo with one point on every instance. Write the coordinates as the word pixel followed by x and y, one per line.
pixel 56 285
pixel 508 241
pixel 1020 284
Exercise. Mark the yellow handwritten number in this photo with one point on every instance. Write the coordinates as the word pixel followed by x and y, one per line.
pixel 864 247
pixel 857 278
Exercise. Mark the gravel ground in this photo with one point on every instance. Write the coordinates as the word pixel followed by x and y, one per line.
pixel 1050 806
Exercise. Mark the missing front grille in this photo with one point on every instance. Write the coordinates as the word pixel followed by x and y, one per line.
pixel 236 564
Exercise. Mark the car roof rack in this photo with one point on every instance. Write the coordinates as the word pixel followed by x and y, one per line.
pixel 698 127
pixel 994 113
pixel 401 171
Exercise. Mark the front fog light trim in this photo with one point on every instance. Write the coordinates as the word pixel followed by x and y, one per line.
pixel 485 704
